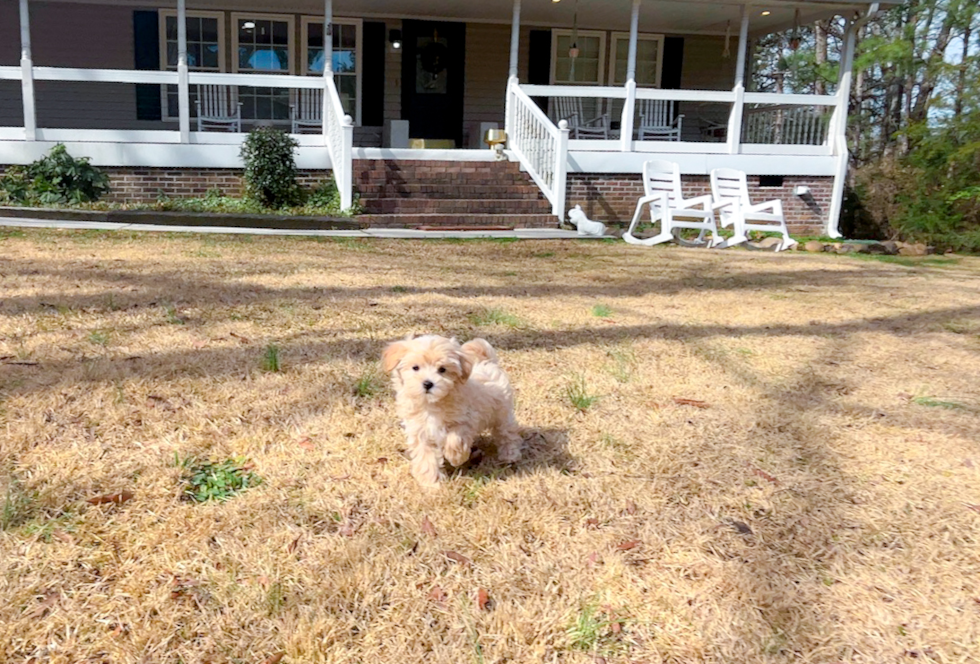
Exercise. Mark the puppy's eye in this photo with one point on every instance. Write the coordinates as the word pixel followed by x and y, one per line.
pixel 415 368
pixel 442 369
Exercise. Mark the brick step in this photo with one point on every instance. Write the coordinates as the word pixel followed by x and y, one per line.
pixel 454 220
pixel 445 180
pixel 425 190
pixel 454 206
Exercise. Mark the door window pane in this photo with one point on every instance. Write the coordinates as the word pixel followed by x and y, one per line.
pixel 585 68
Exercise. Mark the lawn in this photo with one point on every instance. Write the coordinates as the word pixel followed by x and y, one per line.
pixel 732 456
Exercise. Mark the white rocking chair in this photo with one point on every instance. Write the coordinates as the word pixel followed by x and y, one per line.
pixel 662 192
pixel 657 121
pixel 307 112
pixel 730 192
pixel 218 108
pixel 570 109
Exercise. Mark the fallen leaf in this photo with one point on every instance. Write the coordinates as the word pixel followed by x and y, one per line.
pixel 437 594
pixel 975 508
pixel 263 580
pixel 274 659
pixel 630 507
pixel 428 528
pixel 592 523
pixel 629 544
pixel 382 461
pixel 341 478
pixel 482 599
pixel 599 659
pixel 458 558
pixel 200 343
pixel 117 498
pixel 306 443
pixel 681 401
pixel 764 475
pixel 244 340
pixel 742 528
pixel 593 558
pixel 292 545
pixel 968 463
pixel 616 627
pixel 51 597
pixel 23 363
pixel 62 536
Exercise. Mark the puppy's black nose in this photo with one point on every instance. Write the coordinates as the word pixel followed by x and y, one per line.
pixel 427 385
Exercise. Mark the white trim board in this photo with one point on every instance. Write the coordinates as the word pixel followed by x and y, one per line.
pixel 702 164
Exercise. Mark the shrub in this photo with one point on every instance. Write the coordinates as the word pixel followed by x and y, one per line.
pixel 55 178
pixel 270 167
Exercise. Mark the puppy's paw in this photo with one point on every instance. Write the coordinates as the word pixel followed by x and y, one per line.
pixel 456 450
pixel 509 454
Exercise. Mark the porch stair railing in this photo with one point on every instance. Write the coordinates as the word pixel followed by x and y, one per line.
pixel 539 145
pixel 338 133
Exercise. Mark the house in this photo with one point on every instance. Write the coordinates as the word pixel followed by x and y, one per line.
pixel 396 96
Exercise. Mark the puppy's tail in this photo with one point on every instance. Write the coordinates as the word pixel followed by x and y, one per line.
pixel 480 351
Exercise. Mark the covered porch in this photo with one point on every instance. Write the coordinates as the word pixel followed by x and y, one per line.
pixel 510 66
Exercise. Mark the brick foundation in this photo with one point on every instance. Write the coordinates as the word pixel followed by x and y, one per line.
pixel 611 197
pixel 143 185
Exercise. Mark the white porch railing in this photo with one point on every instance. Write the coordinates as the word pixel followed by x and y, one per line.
pixel 337 135
pixel 786 125
pixel 541 147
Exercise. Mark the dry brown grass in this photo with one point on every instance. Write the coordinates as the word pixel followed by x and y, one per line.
pixel 817 511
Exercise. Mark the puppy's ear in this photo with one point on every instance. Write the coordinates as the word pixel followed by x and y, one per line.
pixel 392 355
pixel 480 350
pixel 466 363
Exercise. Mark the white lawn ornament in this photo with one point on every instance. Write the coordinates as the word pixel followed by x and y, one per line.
pixel 585 225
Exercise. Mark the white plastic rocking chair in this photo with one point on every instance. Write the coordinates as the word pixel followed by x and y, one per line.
pixel 657 121
pixel 572 110
pixel 307 113
pixel 662 192
pixel 218 108
pixel 730 192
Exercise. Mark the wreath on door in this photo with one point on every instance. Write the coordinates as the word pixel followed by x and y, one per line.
pixel 433 57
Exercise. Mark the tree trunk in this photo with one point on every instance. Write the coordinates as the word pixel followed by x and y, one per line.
pixel 820 55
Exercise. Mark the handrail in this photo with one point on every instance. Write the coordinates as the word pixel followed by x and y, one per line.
pixel 338 133
pixel 540 146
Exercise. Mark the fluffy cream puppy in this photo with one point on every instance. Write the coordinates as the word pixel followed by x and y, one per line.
pixel 447 395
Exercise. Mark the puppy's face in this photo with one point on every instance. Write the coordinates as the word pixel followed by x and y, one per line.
pixel 427 368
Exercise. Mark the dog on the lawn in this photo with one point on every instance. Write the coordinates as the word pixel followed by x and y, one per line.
pixel 446 395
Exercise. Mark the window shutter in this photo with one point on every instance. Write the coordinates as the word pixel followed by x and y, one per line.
pixel 539 62
pixel 373 74
pixel 670 75
pixel 146 46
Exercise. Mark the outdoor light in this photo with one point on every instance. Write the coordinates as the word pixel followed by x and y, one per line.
pixel 766 13
pixel 395 38
pixel 249 25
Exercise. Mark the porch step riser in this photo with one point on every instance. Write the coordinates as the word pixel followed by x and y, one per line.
pixel 453 206
pixel 488 192
pixel 475 220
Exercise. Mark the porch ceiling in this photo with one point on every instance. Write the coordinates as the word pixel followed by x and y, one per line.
pixel 662 16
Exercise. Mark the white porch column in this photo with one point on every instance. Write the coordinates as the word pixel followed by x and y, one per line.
pixel 515 37
pixel 735 120
pixel 629 107
pixel 27 74
pixel 837 136
pixel 327 62
pixel 183 90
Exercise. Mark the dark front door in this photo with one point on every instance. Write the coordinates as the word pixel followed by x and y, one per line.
pixel 432 79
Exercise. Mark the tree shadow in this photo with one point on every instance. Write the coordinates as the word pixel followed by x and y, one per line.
pixel 544 448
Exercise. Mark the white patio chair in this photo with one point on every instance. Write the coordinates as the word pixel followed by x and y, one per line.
pixel 662 192
pixel 730 192
pixel 218 108
pixel 657 121
pixel 571 109
pixel 307 111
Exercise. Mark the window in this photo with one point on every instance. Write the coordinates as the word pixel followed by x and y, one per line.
pixel 205 51
pixel 587 68
pixel 649 59
pixel 347 39
pixel 263 44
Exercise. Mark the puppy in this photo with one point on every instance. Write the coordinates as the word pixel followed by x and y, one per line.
pixel 446 395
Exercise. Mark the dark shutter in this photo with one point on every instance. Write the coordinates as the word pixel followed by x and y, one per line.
pixel 670 76
pixel 539 62
pixel 146 46
pixel 373 74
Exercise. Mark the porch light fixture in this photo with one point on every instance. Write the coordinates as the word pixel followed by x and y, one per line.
pixel 395 39
pixel 573 50
pixel 766 13
pixel 249 25
pixel 794 38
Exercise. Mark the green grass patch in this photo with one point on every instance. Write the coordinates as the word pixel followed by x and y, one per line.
pixel 907 261
pixel 601 311
pixel 17 506
pixel 271 360
pixel 368 385
pixel 99 337
pixel 623 364
pixel 578 394
pixel 933 402
pixel 170 312
pixel 597 631
pixel 217 480
pixel 495 317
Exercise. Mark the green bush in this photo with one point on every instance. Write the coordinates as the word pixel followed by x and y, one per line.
pixel 270 168
pixel 55 178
